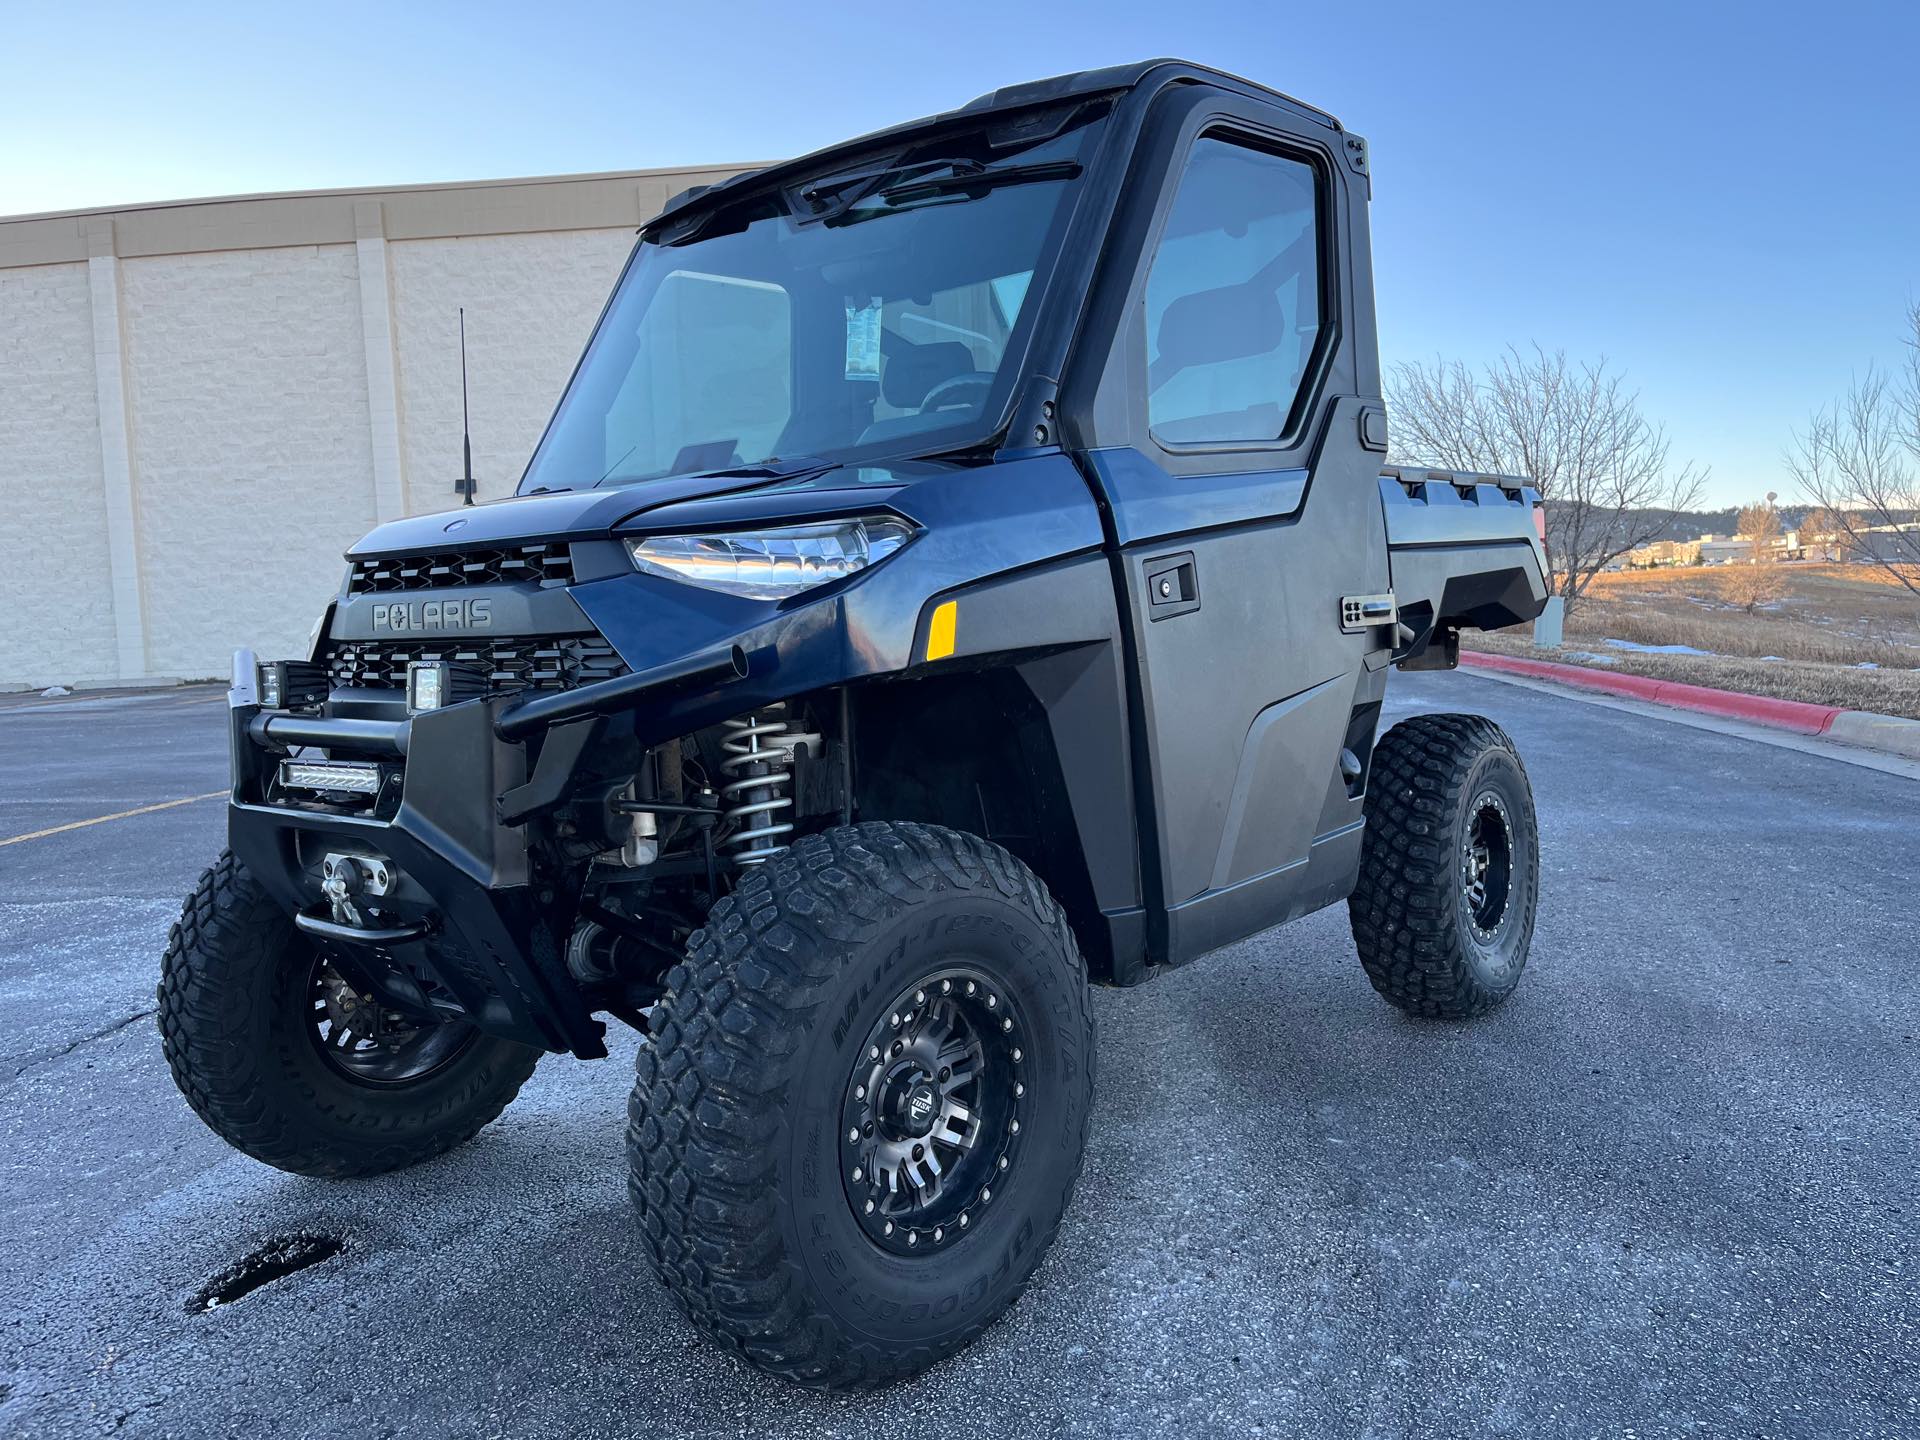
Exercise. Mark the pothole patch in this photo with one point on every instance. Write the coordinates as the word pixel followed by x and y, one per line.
pixel 275 1259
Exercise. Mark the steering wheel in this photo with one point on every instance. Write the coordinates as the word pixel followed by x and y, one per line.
pixel 946 396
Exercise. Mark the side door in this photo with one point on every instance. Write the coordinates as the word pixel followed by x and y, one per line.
pixel 1243 509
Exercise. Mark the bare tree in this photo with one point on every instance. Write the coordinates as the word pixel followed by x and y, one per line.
pixel 1575 430
pixel 1757 580
pixel 1759 526
pixel 1859 460
pixel 1826 531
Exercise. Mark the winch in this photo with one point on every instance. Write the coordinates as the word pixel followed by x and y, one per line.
pixel 345 877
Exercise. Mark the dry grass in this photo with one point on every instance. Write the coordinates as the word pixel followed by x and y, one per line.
pixel 1828 614
pixel 1828 621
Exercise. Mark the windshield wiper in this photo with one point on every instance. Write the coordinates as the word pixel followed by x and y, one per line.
pixel 774 467
pixel 832 198
pixel 979 179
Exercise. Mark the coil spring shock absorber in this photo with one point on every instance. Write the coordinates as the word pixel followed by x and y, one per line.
pixel 760 770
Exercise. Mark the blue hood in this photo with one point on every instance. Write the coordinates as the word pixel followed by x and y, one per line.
pixel 714 498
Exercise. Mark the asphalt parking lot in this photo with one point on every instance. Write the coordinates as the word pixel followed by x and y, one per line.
pixel 1669 1189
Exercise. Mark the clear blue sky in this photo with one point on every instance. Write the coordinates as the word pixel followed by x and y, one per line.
pixel 1722 198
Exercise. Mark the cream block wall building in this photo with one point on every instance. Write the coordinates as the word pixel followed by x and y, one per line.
pixel 203 404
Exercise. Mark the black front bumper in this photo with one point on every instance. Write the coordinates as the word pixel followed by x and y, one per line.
pixel 468 938
pixel 473 934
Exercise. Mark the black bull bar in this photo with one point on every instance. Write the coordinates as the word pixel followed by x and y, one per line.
pixel 474 940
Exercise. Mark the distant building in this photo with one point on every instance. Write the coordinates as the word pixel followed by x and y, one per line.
pixel 203 403
pixel 1886 543
pixel 1710 550
pixel 1663 553
pixel 1725 551
pixel 1895 542
pixel 1736 549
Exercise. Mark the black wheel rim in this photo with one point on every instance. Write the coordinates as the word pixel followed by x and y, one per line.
pixel 1486 866
pixel 931 1123
pixel 370 1044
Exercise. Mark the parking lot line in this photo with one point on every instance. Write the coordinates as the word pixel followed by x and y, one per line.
pixel 103 819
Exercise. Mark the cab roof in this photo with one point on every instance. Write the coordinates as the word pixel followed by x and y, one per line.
pixel 1126 77
pixel 1081 84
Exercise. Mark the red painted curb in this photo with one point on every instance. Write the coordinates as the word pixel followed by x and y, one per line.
pixel 1795 715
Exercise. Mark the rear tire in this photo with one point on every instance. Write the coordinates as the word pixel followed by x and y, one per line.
pixel 1450 872
pixel 780 1113
pixel 238 1027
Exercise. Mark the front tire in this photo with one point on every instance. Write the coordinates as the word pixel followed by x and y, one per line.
pixel 258 1033
pixel 1450 872
pixel 861 1118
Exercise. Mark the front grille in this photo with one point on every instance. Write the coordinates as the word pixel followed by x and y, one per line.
pixel 549 562
pixel 552 663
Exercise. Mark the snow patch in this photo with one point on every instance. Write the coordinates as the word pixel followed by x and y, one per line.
pixel 1637 648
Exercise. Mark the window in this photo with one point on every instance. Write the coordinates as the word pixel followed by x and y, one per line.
pixel 711 357
pixel 872 311
pixel 1233 298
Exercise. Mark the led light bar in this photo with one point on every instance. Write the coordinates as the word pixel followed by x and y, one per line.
pixel 353 777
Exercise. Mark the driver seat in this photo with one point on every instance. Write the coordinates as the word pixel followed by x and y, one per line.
pixel 908 374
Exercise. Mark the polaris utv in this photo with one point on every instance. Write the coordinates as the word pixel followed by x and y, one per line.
pixel 962 568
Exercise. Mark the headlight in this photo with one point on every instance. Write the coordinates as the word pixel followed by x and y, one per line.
pixel 773 564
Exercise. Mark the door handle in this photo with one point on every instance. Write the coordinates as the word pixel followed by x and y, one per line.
pixel 1173 585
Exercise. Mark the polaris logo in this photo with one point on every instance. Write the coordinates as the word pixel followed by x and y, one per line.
pixel 412 615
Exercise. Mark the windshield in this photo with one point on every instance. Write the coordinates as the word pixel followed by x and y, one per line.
pixel 874 310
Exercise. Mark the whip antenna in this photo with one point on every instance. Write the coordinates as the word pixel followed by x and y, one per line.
pixel 466 433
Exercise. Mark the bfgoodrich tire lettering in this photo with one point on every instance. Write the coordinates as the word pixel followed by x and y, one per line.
pixel 236 1026
pixel 740 1159
pixel 1449 877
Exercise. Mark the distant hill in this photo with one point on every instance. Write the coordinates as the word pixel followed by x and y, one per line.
pixel 1692 524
